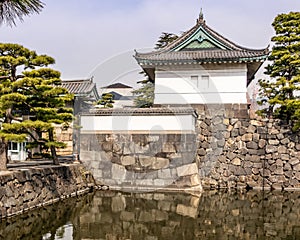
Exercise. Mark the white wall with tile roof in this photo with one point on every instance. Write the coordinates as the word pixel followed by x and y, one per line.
pixel 201 84
pixel 138 124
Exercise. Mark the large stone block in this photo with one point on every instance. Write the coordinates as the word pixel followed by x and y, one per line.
pixel 128 160
pixel 160 215
pixel 164 174
pixel 164 205
pixel 118 204
pixel 236 162
pixel 285 141
pixel 294 161
pixel 279 171
pixel 117 147
pixel 247 137
pixel 128 148
pixel 273 142
pixel 107 146
pixel 188 169
pixel 118 172
pixel 297 176
pixel 146 217
pixel 187 211
pixel 256 123
pixel 146 161
pixel 230 155
pixel 94 164
pixel 141 149
pixel 296 167
pixel 252 145
pixel 271 148
pixel 153 138
pixel 144 182
pixel 160 163
pixel 162 182
pixel 195 180
pixel 168 148
pixel 262 143
pixel 97 173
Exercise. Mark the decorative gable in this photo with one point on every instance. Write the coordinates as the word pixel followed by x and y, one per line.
pixel 200 40
pixel 198 45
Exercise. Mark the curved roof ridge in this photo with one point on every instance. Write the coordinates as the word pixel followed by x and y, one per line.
pixel 202 23
pixel 79 85
pixel 183 37
pixel 173 44
pixel 230 43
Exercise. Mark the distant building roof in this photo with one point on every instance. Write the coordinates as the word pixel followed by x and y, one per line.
pixel 117 85
pixel 118 96
pixel 83 87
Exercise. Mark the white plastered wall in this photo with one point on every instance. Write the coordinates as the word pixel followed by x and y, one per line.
pixel 211 83
pixel 149 124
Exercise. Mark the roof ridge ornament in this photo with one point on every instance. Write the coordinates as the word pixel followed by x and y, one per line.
pixel 201 17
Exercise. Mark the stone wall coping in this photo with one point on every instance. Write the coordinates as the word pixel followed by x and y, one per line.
pixel 138 132
pixel 142 111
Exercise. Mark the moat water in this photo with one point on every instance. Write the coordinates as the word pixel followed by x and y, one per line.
pixel 154 216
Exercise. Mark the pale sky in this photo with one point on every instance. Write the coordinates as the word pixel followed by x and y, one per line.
pixel 97 38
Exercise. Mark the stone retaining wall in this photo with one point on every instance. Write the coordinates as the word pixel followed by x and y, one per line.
pixel 142 161
pixel 230 149
pixel 239 152
pixel 25 189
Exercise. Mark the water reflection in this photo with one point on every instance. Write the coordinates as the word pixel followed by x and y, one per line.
pixel 153 216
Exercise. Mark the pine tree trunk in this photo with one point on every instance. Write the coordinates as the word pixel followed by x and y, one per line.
pixel 52 148
pixel 54 156
pixel 3 156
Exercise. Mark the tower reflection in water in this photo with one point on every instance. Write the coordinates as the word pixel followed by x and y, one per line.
pixel 153 216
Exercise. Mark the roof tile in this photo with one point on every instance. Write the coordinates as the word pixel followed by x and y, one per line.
pixel 79 86
pixel 233 51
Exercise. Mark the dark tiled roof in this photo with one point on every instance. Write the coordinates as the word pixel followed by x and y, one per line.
pixel 118 96
pixel 200 56
pixel 117 85
pixel 230 52
pixel 141 111
pixel 81 87
pixel 201 23
pixel 78 86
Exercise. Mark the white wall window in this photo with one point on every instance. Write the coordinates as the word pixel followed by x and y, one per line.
pixel 204 82
pixel 200 83
pixel 195 81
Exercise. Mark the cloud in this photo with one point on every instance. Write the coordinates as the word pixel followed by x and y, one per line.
pixel 82 36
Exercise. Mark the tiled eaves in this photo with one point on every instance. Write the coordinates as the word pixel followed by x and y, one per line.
pixel 141 111
pixel 79 86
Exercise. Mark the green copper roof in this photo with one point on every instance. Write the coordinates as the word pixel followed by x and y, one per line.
pixel 200 40
pixel 199 44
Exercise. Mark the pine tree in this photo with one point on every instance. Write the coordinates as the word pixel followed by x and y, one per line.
pixel 10 10
pixel 35 93
pixel 144 95
pixel 106 101
pixel 165 39
pixel 280 92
